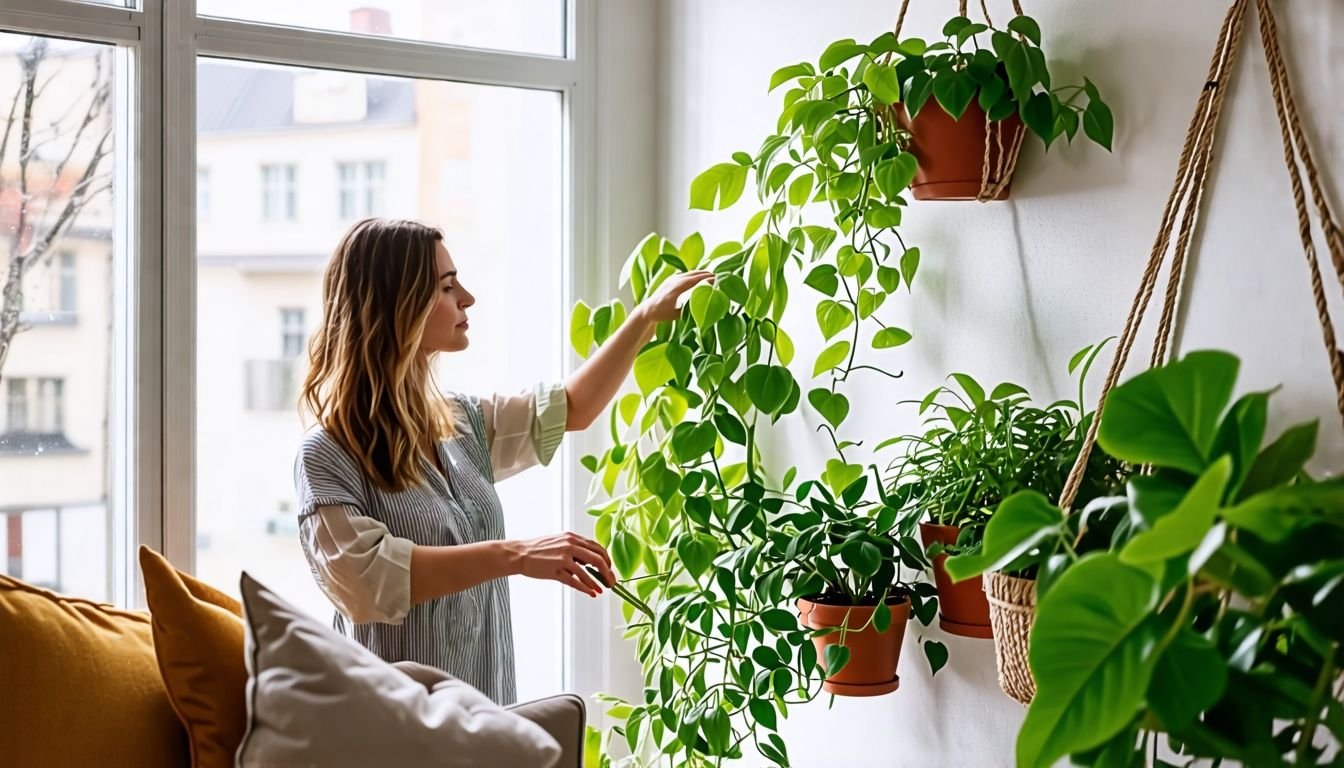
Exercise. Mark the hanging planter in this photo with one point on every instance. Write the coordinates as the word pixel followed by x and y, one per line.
pixel 873 656
pixel 962 608
pixel 969 100
pixel 958 159
pixel 1012 610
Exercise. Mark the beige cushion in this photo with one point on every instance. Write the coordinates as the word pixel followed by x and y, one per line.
pixel 317 698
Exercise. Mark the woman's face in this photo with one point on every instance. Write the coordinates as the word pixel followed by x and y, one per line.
pixel 447 327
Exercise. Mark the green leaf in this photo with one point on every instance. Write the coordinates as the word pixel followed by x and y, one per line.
pixel 783 344
pixel 882 82
pixel 833 406
pixel 768 386
pixel 1027 27
pixel 1282 460
pixel 831 357
pixel 780 620
pixel 909 265
pixel 1189 678
pixel 626 553
pixel 894 175
pixel 1181 531
pixel 653 369
pixel 1038 112
pixel 863 557
pixel 971 387
pixel 1006 390
pixel 581 329
pixel 697 552
pixel 890 337
pixel 717 730
pixel 837 656
pixel 936 653
pixel 954 91
pixel 869 302
pixel 1169 416
pixel 823 278
pixel 791 72
pixel 882 216
pixel 955 25
pixel 889 278
pixel 1017 62
pixel 833 317
pixel 709 305
pixel 839 52
pixel 1098 123
pixel 1240 434
pixel 763 712
pixel 1274 514
pixel 800 190
pixel 1092 656
pixel 719 187
pixel 1022 522
pixel 692 250
pixel 839 475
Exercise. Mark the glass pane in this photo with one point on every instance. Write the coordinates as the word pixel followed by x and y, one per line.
pixel 482 163
pixel 524 26
pixel 59 250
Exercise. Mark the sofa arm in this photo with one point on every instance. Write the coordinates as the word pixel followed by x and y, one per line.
pixel 563 717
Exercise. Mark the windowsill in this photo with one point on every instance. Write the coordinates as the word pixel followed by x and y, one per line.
pixel 59 317
pixel 36 444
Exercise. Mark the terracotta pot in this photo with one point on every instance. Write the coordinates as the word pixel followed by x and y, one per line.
pixel 962 608
pixel 873 655
pixel 951 153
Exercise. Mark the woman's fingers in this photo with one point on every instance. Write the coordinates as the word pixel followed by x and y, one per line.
pixel 590 584
pixel 570 580
pixel 592 546
pixel 596 557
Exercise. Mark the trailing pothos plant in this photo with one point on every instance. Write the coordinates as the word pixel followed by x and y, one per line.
pixel 1003 70
pixel 714 544
pixel 980 447
pixel 1213 624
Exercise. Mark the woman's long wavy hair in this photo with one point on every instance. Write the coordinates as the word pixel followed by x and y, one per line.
pixel 369 384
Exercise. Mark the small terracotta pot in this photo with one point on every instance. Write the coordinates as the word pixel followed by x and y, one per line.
pixel 873 655
pixel 962 608
pixel 951 153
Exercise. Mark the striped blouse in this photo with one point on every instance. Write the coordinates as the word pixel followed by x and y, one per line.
pixel 358 538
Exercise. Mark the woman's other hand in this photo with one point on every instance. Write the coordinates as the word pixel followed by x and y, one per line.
pixel 561 557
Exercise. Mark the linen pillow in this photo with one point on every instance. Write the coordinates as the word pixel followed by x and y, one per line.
pixel 317 698
pixel 198 640
pixel 79 684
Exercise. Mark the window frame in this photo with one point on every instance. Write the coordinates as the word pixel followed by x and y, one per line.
pixel 157 43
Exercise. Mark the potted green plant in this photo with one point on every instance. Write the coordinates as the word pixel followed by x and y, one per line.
pixel 1214 621
pixel 978 449
pixel 966 99
pixel 698 527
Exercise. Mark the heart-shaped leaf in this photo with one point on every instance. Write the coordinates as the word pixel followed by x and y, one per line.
pixel 832 406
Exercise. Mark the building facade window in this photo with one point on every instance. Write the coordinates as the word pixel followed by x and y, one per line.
pixel 16 405
pixel 293 335
pixel 362 189
pixel 66 280
pixel 279 192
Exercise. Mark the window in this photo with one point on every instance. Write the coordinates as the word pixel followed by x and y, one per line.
pixel 16 406
pixel 527 26
pixel 361 189
pixel 279 195
pixel 203 193
pixel 293 337
pixel 62 494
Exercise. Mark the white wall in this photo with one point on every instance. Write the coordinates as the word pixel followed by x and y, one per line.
pixel 1010 290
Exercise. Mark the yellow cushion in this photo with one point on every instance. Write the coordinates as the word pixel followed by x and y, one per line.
pixel 79 684
pixel 198 638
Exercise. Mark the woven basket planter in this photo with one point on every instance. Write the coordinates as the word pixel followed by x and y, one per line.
pixel 1012 610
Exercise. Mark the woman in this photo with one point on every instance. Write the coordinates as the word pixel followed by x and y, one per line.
pixel 400 521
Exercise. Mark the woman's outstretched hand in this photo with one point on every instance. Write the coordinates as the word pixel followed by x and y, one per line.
pixel 662 305
pixel 561 558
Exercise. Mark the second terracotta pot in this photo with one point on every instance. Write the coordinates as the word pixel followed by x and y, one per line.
pixel 962 608
pixel 873 655
pixel 951 153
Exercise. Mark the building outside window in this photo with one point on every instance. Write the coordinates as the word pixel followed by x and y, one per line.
pixel 293 337
pixel 362 189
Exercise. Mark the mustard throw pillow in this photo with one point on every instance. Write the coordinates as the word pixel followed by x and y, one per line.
pixel 79 685
pixel 198 639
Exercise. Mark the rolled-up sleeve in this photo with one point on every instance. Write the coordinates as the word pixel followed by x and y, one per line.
pixel 525 429
pixel 361 567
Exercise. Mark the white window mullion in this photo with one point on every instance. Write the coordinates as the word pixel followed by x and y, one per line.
pixel 178 139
